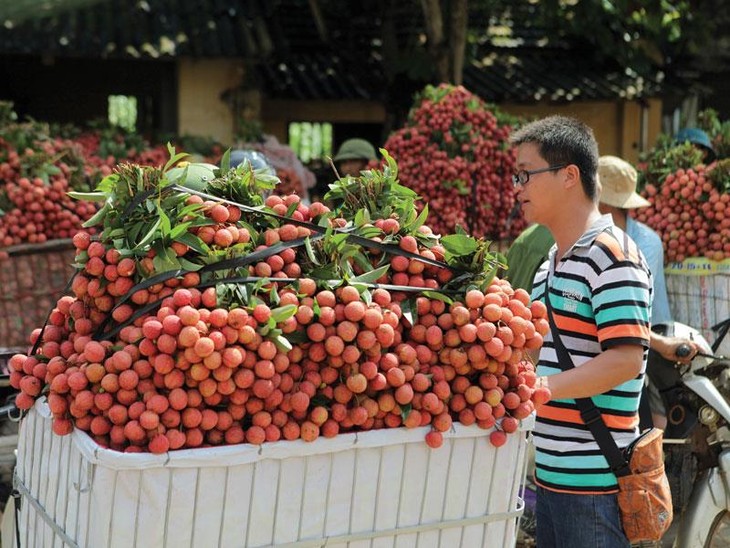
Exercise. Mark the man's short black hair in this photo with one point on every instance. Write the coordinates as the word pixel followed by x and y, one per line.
pixel 564 140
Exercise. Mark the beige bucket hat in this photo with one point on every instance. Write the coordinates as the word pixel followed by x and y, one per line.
pixel 618 182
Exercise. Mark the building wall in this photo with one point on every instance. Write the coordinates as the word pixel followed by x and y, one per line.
pixel 76 91
pixel 277 114
pixel 203 108
pixel 622 128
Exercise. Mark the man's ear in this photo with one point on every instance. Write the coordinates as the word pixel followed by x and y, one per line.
pixel 572 175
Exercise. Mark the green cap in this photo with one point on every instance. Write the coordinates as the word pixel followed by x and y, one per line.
pixel 355 149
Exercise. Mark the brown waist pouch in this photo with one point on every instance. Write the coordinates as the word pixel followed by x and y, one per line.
pixel 644 497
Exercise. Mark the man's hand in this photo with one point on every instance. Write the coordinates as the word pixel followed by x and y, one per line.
pixel 667 347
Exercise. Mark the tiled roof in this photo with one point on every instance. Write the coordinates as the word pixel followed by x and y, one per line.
pixel 144 29
pixel 317 76
pixel 533 74
pixel 293 60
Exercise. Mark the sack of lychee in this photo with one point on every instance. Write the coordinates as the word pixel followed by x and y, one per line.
pixel 207 314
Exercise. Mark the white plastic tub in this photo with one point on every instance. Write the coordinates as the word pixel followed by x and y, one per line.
pixel 374 489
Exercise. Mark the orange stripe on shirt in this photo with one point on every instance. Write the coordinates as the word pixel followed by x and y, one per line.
pixel 615 248
pixel 573 416
pixel 576 326
pixel 623 331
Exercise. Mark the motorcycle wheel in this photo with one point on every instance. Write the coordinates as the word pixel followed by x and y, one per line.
pixel 719 536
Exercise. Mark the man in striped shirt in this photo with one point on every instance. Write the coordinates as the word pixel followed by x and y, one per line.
pixel 600 293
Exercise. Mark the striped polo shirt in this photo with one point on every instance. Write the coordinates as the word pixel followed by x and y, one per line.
pixel 600 293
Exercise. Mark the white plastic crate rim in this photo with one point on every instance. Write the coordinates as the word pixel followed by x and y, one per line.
pixel 378 488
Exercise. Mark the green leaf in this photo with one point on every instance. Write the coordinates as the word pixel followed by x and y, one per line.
pixel 226 161
pixel 420 219
pixel 339 240
pixel 435 295
pixel 115 233
pixel 88 196
pixel 366 296
pixel 369 232
pixel 282 343
pixel 362 217
pixel 174 158
pixel 405 410
pixel 361 287
pixel 133 232
pixel 372 276
pixel 297 337
pixel 189 265
pixel 149 236
pixel 165 225
pixel 362 261
pixel 97 217
pixel 459 244
pixel 408 306
pixel 177 230
pixel 193 242
pixel 283 313
pixel 291 209
pixel 165 263
pixel 310 250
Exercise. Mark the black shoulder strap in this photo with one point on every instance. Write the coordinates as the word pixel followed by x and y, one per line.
pixel 588 411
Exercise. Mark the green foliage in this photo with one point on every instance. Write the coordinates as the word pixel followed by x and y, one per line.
pixel 471 258
pixel 666 157
pixel 377 192
pixel 640 36
pixel 142 212
pixel 720 175
pixel 717 130
pixel 117 142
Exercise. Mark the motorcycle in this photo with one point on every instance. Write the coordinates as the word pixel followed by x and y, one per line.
pixel 696 397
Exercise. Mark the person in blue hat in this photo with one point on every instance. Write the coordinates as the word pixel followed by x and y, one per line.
pixel 699 139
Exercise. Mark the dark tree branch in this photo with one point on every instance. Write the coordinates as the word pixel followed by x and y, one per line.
pixel 457 38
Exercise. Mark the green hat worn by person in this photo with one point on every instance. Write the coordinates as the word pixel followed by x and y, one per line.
pixel 355 149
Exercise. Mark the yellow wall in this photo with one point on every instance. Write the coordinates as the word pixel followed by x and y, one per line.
pixel 201 109
pixel 617 125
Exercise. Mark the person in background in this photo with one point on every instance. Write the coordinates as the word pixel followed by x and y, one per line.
pixel 599 289
pixel 699 139
pixel 526 254
pixel 618 196
pixel 353 156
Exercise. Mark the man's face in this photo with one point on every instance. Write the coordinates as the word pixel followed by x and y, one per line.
pixel 539 196
pixel 352 167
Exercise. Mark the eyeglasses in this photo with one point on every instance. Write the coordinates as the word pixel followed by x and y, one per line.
pixel 522 177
